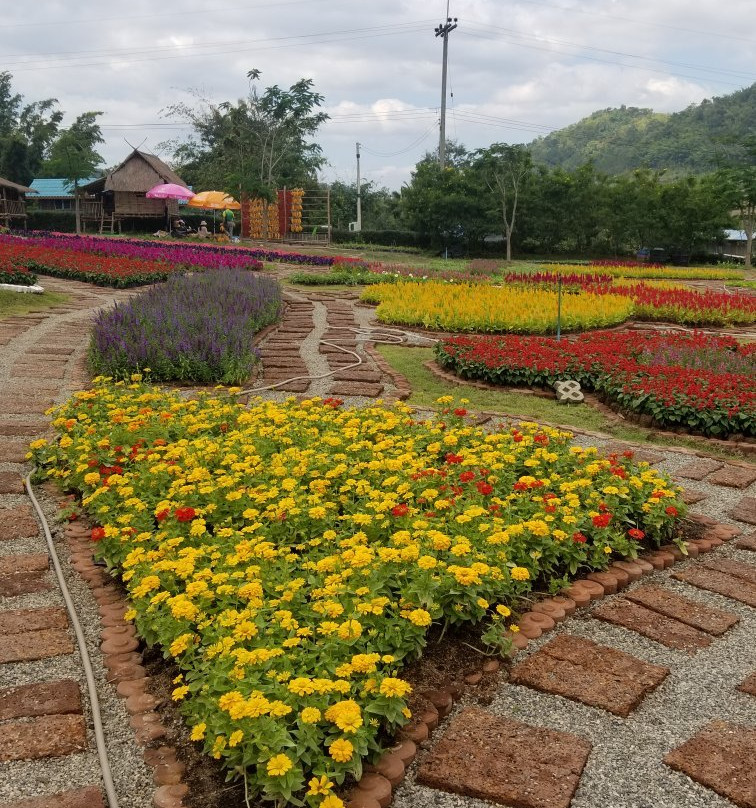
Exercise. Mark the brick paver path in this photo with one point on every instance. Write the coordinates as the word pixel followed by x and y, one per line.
pixel 42 363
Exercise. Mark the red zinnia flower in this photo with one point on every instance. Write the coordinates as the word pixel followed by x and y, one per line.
pixel 185 514
pixel 484 488
pixel 466 476
pixel 602 520
pixel 98 533
pixel 460 412
pixel 400 510
pixel 671 510
pixel 579 537
pixel 634 533
pixel 162 515
pixel 453 458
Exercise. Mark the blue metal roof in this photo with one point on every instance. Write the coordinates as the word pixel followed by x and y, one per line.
pixel 56 187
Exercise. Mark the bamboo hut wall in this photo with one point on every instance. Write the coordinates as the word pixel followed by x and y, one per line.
pixel 136 204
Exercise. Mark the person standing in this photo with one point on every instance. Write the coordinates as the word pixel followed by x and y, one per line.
pixel 229 222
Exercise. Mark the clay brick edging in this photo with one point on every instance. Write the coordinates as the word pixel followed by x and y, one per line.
pixel 403 389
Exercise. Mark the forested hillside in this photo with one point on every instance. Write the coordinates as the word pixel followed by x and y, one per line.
pixel 695 140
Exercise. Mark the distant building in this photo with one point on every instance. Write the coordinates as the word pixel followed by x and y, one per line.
pixel 13 203
pixel 735 244
pixel 56 194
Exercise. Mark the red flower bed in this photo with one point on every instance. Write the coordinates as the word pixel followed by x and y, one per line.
pixel 687 306
pixel 703 383
pixel 98 269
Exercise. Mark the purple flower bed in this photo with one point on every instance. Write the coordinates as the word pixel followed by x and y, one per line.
pixel 196 328
pixel 191 254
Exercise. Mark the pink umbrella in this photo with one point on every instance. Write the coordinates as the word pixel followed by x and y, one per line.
pixel 169 190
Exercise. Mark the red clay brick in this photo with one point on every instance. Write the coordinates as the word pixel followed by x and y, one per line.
pixel 29 562
pixel 655 626
pixel 18 523
pixel 747 542
pixel 719 582
pixel 46 736
pixel 698 469
pixel 691 497
pixel 19 621
pixel 737 568
pixel 356 389
pixel 357 375
pixel 721 757
pixel 734 477
pixel 666 602
pixel 506 762
pixel 23 583
pixel 11 482
pixel 13 451
pixel 31 645
pixel 593 674
pixel 22 428
pixel 90 797
pixel 45 698
pixel 749 685
pixel 745 511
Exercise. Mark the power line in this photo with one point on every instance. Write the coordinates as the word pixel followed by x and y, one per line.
pixel 519 34
pixel 603 61
pixel 411 146
pixel 594 14
pixel 202 10
pixel 344 36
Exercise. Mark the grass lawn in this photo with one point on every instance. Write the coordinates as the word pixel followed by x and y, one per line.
pixel 23 302
pixel 426 388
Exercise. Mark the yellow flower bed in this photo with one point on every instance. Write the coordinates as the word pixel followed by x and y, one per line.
pixel 482 307
pixel 290 557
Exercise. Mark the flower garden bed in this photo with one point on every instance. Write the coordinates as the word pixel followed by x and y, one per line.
pixel 531 307
pixel 706 384
pixel 481 307
pixel 182 252
pixel 291 557
pixel 195 329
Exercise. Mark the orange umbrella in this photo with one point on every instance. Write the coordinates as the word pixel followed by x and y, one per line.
pixel 213 200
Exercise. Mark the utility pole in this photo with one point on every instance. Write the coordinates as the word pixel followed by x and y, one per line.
pixel 443 31
pixel 359 193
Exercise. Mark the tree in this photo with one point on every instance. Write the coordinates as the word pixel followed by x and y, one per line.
pixel 738 179
pixel 445 204
pixel 380 207
pixel 256 145
pixel 505 170
pixel 26 132
pixel 73 156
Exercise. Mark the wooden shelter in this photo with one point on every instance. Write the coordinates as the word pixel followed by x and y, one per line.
pixel 121 193
pixel 13 202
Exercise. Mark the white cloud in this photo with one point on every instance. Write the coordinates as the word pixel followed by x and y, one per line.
pixel 515 71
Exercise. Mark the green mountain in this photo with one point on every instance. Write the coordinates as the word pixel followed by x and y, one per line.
pixel 618 140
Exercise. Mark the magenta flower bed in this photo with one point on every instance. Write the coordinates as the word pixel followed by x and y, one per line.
pixel 190 254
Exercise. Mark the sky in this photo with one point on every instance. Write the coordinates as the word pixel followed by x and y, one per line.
pixel 517 69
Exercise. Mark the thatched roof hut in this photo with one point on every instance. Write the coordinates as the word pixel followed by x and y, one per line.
pixel 122 190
